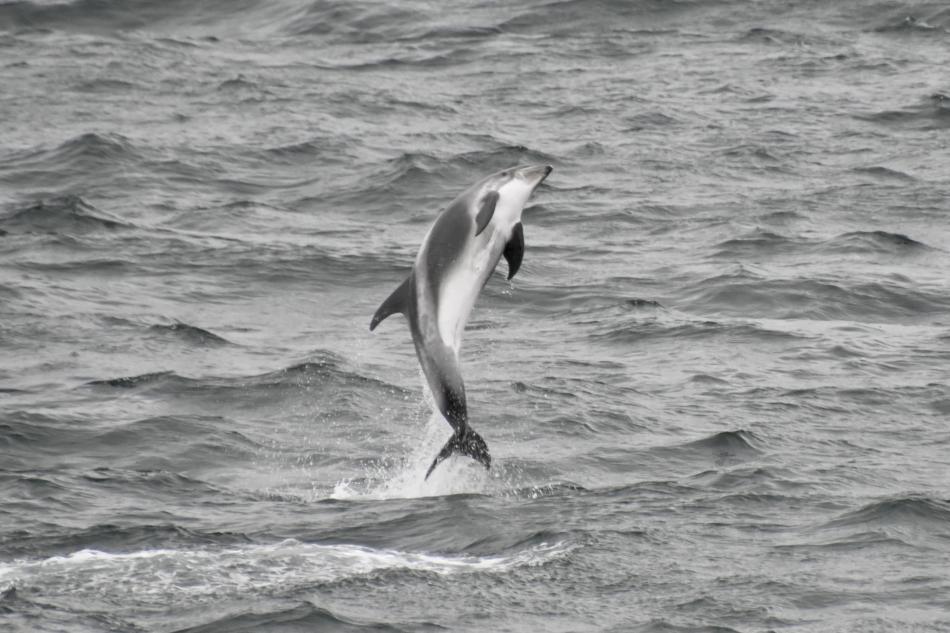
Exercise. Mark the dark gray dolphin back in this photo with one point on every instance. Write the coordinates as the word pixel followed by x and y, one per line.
pixel 446 240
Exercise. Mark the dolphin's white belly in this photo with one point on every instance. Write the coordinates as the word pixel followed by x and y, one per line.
pixel 461 287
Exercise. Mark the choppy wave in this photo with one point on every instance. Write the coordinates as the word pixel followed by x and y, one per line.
pixel 305 615
pixel 726 449
pixel 767 244
pixel 930 113
pixel 190 334
pixel 60 542
pixel 936 23
pixel 748 294
pixel 725 442
pixel 634 328
pixel 63 215
pixel 168 443
pixel 322 368
pixel 919 512
pixel 874 242
pixel 364 23
pixel 71 166
pixel 107 16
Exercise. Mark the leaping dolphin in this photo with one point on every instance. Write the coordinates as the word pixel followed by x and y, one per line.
pixel 456 258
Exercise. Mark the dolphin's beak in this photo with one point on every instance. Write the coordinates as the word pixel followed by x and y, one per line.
pixel 534 174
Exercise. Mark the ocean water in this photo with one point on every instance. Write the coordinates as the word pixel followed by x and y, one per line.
pixel 717 394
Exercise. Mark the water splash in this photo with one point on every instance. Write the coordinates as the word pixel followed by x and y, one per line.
pixel 405 478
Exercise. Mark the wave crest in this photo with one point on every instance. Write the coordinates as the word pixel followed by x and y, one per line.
pixel 60 215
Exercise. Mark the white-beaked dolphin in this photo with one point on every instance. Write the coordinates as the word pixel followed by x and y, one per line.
pixel 456 258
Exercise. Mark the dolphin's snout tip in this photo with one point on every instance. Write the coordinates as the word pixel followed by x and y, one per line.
pixel 536 173
pixel 545 171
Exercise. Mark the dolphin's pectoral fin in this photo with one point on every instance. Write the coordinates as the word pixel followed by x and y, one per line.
pixel 398 301
pixel 469 443
pixel 486 211
pixel 514 250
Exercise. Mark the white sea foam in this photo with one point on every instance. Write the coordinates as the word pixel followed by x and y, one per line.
pixel 193 575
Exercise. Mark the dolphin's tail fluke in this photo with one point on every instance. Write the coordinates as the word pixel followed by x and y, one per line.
pixel 467 443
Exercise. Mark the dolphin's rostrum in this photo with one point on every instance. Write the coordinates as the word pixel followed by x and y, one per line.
pixel 457 257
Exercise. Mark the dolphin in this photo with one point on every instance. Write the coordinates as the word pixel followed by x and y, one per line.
pixel 457 256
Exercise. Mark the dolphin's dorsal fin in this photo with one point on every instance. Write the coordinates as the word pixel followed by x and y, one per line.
pixel 398 301
pixel 514 249
pixel 486 211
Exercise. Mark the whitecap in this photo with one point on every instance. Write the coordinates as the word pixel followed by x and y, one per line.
pixel 191 576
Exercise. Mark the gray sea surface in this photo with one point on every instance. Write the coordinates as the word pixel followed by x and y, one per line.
pixel 717 393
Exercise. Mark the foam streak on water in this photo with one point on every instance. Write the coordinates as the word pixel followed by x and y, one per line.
pixel 189 576
pixel 715 394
